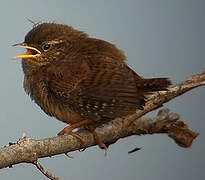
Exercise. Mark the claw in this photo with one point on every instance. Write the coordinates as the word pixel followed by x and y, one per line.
pixel 99 142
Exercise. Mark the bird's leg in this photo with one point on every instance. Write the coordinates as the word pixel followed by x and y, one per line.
pixel 68 130
pixel 97 139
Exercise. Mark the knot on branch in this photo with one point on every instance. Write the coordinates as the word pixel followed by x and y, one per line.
pixel 165 122
pixel 182 135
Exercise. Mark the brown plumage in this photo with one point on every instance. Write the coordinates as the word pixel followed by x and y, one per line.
pixel 82 81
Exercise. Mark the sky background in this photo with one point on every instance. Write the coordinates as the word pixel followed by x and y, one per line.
pixel 159 37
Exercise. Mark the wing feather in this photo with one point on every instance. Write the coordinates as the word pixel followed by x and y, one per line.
pixel 100 92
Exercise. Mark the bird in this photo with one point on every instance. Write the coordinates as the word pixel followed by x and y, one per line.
pixel 84 82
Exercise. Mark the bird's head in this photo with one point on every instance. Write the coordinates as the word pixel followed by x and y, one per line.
pixel 48 42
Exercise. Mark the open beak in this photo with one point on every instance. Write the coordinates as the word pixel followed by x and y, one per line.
pixel 31 51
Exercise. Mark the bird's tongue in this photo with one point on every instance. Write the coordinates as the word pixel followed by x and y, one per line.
pixel 31 52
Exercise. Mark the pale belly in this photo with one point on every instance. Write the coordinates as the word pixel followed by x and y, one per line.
pixel 62 113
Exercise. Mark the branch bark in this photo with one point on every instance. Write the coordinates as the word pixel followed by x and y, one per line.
pixel 28 150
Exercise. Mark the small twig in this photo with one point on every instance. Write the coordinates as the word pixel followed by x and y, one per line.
pixel 45 172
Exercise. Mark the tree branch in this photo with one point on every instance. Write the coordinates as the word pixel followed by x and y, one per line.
pixel 44 171
pixel 28 150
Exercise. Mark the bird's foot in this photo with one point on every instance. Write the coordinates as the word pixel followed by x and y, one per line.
pixel 68 130
pixel 99 142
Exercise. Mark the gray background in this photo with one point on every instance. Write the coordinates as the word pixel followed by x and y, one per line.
pixel 159 38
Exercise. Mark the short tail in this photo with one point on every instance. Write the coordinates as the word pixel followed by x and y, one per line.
pixel 156 84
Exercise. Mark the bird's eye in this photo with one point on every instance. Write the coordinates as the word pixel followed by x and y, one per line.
pixel 46 47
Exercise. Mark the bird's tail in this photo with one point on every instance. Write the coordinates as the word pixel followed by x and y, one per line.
pixel 156 84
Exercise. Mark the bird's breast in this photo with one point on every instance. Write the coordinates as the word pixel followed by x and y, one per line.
pixel 38 91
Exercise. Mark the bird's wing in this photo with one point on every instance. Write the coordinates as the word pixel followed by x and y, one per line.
pixel 99 89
